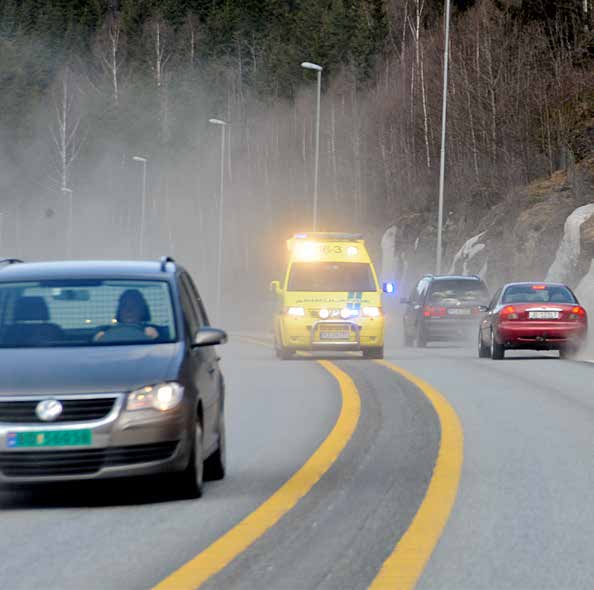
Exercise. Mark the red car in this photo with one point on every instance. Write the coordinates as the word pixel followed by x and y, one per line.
pixel 535 316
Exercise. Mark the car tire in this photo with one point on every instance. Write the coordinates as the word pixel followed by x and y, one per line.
pixel 190 480
pixel 373 352
pixel 483 350
pixel 215 466
pixel 497 350
pixel 283 354
pixel 420 340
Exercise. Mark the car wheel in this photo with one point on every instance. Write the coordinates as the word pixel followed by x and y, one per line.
pixel 420 337
pixel 192 477
pixel 284 354
pixel 216 465
pixel 483 351
pixel 374 352
pixel 497 350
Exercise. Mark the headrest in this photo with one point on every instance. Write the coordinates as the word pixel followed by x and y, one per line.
pixel 31 309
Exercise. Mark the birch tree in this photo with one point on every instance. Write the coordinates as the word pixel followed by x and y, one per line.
pixel 66 128
pixel 109 49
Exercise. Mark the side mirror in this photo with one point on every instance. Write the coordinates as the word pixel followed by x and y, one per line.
pixel 483 308
pixel 389 287
pixel 405 300
pixel 275 287
pixel 209 337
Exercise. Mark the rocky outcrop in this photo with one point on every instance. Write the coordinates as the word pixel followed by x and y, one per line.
pixel 517 239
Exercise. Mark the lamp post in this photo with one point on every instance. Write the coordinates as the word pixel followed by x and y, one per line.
pixel 69 246
pixel 222 125
pixel 446 56
pixel 143 161
pixel 318 69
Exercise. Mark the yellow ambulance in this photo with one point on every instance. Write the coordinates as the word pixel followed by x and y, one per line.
pixel 330 298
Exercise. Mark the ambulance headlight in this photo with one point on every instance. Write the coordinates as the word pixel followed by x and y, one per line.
pixel 347 313
pixel 324 313
pixel 371 312
pixel 352 251
pixel 296 311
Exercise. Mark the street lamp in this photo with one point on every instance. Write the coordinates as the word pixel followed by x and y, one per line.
pixel 309 66
pixel 69 193
pixel 222 124
pixel 143 161
pixel 446 55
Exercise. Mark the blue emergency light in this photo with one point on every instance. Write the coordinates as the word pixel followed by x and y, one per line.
pixel 389 287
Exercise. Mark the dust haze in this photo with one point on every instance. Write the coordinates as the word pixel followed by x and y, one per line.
pixel 509 122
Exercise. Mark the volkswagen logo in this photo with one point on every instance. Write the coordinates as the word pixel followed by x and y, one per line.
pixel 49 410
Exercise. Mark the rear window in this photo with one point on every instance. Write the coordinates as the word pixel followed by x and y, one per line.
pixel 538 293
pixel 85 313
pixel 331 276
pixel 457 291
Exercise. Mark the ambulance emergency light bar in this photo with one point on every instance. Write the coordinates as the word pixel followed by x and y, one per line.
pixel 336 236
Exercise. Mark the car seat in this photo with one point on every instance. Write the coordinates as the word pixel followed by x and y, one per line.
pixel 32 326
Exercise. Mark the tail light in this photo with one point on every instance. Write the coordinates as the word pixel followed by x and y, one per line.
pixel 577 313
pixel 509 313
pixel 434 312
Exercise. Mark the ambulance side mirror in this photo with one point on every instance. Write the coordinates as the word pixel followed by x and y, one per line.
pixel 276 288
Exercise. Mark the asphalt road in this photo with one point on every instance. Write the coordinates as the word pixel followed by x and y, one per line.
pixel 523 518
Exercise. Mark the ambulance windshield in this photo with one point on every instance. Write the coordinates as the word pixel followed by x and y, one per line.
pixel 331 276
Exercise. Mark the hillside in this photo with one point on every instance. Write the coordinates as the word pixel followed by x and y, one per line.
pixel 87 85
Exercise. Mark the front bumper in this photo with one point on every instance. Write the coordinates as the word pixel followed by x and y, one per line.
pixel 306 334
pixel 123 444
pixel 541 335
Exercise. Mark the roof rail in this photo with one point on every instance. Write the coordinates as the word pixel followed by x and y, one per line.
pixel 164 261
pixel 9 261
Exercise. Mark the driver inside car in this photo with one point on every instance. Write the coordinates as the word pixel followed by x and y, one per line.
pixel 133 314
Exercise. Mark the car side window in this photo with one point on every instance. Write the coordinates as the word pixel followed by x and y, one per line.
pixel 417 292
pixel 193 323
pixel 495 299
pixel 198 305
pixel 423 286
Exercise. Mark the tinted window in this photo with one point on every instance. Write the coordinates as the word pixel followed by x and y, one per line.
pixel 454 291
pixel 420 290
pixel 538 293
pixel 198 305
pixel 192 320
pixel 331 276
pixel 85 313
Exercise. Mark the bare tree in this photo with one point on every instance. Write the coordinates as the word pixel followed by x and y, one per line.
pixel 160 48
pixel 66 129
pixel 109 49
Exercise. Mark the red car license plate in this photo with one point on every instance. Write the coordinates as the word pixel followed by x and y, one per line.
pixel 543 315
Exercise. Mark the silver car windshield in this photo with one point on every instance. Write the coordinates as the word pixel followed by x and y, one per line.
pixel 85 313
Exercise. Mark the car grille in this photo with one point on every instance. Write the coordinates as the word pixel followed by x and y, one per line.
pixel 74 410
pixel 81 461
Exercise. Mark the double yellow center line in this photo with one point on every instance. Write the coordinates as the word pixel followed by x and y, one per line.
pixel 405 565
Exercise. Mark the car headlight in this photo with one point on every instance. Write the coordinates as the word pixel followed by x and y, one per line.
pixel 324 313
pixel 371 312
pixel 163 397
pixel 296 311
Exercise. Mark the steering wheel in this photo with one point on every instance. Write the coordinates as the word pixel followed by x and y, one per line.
pixel 125 332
